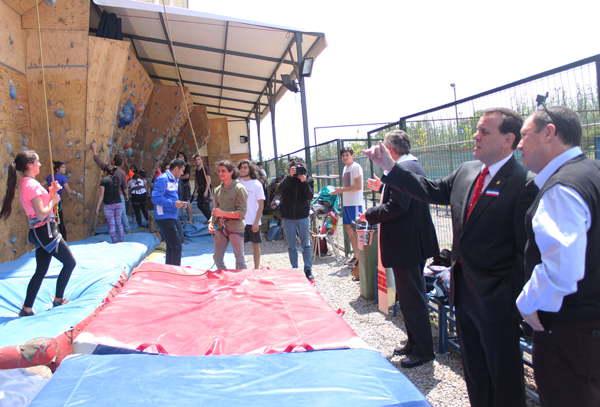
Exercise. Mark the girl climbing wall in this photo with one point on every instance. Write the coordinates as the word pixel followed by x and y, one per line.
pixel 38 205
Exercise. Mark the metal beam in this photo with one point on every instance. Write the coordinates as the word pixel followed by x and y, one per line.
pixel 228 108
pixel 226 98
pixel 199 68
pixel 224 58
pixel 271 98
pixel 303 100
pixel 208 85
pixel 257 118
pixel 201 48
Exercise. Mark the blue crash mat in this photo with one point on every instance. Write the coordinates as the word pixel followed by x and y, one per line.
pixel 99 266
pixel 353 377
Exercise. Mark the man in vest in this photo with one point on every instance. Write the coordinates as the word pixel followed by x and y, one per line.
pixel 561 300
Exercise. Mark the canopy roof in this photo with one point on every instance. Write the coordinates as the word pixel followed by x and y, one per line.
pixel 226 63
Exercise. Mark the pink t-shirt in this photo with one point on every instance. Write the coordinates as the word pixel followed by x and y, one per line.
pixel 28 190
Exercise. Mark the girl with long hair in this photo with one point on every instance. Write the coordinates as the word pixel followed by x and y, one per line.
pixel 60 170
pixel 113 209
pixel 39 207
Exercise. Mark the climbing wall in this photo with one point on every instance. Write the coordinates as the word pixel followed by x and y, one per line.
pixel 15 128
pixel 136 87
pixel 218 146
pixel 185 142
pixel 104 88
pixel 162 121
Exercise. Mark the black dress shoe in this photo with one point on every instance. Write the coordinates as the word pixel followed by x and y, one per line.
pixel 414 360
pixel 404 350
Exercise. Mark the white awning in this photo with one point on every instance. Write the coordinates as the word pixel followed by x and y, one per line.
pixel 226 63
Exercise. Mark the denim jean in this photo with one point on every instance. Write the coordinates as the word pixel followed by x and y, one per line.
pixel 124 220
pixel 237 244
pixel 113 217
pixel 290 226
pixel 170 233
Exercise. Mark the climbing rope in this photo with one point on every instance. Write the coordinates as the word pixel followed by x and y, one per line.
pixel 37 12
pixel 187 111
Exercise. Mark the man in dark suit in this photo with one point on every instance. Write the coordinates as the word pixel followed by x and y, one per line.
pixel 407 240
pixel 488 202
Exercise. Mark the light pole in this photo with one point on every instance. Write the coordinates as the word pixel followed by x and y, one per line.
pixel 453 85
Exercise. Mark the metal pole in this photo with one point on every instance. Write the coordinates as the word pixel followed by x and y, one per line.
pixel 455 110
pixel 257 116
pixel 271 98
pixel 303 99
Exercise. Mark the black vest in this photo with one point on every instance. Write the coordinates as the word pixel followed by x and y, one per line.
pixel 583 175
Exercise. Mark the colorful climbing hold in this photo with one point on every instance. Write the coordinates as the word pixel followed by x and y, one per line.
pixel 60 113
pixel 8 147
pixel 69 144
pixel 156 143
pixel 129 152
pixel 139 107
pixel 12 91
pixel 13 239
pixel 78 155
pixel 126 144
pixel 20 107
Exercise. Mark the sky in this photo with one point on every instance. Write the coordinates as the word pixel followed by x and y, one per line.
pixel 386 59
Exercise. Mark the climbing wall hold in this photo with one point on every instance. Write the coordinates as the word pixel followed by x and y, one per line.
pixel 20 107
pixel 129 152
pixel 129 58
pixel 78 155
pixel 68 175
pixel 24 148
pixel 156 143
pixel 60 113
pixel 126 144
pixel 50 3
pixel 50 103
pixel 25 140
pixel 139 107
pixel 13 239
pixel 8 147
pixel 69 144
pixel 11 89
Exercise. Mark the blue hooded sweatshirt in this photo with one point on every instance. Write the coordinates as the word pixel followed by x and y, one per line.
pixel 164 195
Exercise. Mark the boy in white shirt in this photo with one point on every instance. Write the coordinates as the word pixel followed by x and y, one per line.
pixel 256 198
pixel 352 190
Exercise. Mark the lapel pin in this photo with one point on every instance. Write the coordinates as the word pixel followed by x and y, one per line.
pixel 498 183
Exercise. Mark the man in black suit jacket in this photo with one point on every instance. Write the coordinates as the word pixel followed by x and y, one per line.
pixel 407 240
pixel 487 252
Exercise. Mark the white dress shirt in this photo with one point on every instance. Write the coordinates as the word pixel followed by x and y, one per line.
pixel 560 225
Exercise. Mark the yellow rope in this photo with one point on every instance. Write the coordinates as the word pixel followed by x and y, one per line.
pixel 214 235
pixel 37 11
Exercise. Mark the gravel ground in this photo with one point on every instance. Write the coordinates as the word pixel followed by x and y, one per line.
pixel 441 382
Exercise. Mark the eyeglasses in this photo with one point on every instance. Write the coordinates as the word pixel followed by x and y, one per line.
pixel 541 101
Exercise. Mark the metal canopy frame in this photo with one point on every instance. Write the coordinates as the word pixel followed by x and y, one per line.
pixel 219 58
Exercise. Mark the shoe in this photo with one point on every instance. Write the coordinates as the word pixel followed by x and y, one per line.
pixel 352 261
pixel 404 350
pixel 309 275
pixel 24 313
pixel 414 360
pixel 59 303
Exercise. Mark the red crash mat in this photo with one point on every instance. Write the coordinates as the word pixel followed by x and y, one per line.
pixel 192 312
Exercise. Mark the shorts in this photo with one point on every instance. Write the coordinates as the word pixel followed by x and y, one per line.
pixel 351 213
pixel 250 236
pixel 187 192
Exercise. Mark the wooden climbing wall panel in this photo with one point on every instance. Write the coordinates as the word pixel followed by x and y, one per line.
pixel 137 87
pixel 104 86
pixel 65 15
pixel 185 142
pixel 14 113
pixel 236 158
pixel 218 146
pixel 21 6
pixel 16 228
pixel 59 47
pixel 165 118
pixel 12 39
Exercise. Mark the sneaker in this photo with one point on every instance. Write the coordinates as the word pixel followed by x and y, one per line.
pixel 24 313
pixel 309 275
pixel 59 303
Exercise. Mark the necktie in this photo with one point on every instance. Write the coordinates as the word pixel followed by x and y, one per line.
pixel 478 190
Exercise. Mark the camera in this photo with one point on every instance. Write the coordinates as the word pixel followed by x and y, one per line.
pixel 300 170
